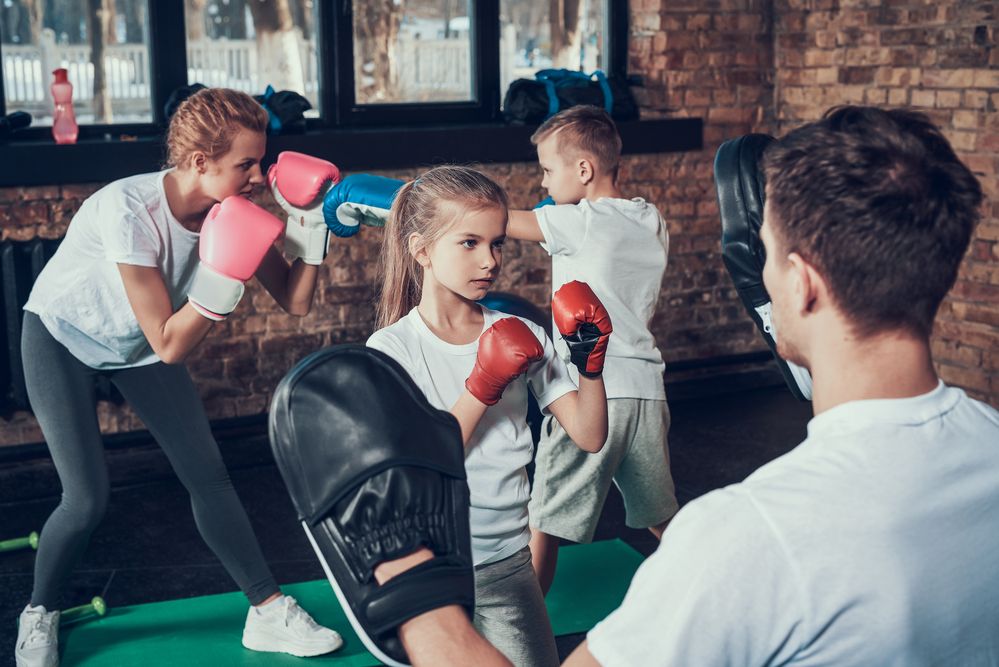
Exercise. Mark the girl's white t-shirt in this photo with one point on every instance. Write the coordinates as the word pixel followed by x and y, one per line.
pixel 501 446
pixel 80 296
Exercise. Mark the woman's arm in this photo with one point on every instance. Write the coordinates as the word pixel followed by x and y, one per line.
pixel 291 286
pixel 171 335
pixel 583 414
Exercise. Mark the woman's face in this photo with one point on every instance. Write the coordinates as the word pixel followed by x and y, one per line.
pixel 237 171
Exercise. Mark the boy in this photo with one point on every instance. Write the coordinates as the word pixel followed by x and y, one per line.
pixel 618 246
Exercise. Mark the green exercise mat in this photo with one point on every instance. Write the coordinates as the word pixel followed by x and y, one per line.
pixel 591 582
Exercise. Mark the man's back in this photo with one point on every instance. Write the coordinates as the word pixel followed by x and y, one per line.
pixel 873 543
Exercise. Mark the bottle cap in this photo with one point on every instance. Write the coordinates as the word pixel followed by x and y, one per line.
pixel 60 75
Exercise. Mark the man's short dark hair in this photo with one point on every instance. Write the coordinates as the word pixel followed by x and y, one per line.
pixel 879 203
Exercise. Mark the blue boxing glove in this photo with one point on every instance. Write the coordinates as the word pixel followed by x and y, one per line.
pixel 547 201
pixel 359 199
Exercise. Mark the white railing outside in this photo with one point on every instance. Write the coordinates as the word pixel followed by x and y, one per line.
pixel 429 69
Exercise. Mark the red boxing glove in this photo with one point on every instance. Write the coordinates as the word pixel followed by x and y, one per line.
pixel 584 324
pixel 506 350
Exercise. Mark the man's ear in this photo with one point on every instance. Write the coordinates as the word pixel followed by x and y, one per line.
pixel 584 168
pixel 418 249
pixel 809 289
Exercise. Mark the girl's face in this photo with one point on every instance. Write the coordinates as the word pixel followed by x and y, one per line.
pixel 235 172
pixel 466 259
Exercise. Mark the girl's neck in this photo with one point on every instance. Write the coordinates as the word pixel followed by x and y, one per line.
pixel 452 318
pixel 188 205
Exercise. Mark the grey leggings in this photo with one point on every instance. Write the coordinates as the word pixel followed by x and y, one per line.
pixel 61 390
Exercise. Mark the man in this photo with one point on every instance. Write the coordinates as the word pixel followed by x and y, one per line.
pixel 874 542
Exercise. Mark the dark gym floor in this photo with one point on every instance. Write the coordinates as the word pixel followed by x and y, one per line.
pixel 148 548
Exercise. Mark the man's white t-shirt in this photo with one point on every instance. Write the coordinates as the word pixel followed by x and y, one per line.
pixel 874 542
pixel 619 248
pixel 80 296
pixel 500 447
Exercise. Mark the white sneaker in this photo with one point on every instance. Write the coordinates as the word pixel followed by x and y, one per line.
pixel 283 627
pixel 37 638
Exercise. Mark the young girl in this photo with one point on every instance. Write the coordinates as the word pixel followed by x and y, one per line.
pixel 442 252
pixel 124 297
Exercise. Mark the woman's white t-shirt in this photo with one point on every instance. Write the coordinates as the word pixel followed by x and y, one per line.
pixel 501 445
pixel 80 296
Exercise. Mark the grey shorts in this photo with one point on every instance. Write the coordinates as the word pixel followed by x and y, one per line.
pixel 510 611
pixel 570 485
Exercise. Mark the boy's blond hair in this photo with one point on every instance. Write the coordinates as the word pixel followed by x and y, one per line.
pixel 584 131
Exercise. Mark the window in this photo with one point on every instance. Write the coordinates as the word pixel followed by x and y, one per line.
pixel 358 62
pixel 251 45
pixel 103 44
pixel 531 38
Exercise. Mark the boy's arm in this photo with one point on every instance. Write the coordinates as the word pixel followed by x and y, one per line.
pixel 583 414
pixel 523 226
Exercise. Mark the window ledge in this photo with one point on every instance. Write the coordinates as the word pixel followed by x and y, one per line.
pixel 30 163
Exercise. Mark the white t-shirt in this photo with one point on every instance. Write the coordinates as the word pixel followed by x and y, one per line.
pixel 618 247
pixel 80 296
pixel 874 542
pixel 501 446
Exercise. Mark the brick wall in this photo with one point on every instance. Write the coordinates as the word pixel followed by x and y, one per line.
pixel 937 57
pixel 742 66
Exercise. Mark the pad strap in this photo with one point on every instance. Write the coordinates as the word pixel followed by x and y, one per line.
pixel 431 585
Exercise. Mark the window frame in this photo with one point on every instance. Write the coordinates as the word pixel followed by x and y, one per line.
pixel 398 136
pixel 338 109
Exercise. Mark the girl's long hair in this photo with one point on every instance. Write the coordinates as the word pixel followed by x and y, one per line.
pixel 426 206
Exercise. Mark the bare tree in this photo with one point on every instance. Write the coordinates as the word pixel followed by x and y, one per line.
pixel 566 36
pixel 99 22
pixel 376 31
pixel 278 53
pixel 194 19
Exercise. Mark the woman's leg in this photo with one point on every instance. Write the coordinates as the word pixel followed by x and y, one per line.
pixel 167 401
pixel 61 391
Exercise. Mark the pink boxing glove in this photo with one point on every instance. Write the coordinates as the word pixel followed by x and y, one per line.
pixel 235 237
pixel 299 183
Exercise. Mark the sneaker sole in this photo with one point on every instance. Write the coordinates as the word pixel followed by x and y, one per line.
pixel 270 644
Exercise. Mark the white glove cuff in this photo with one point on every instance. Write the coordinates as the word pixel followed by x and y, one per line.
pixel 308 242
pixel 213 291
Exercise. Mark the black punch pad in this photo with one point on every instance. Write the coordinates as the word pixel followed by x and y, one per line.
pixel 374 472
pixel 741 194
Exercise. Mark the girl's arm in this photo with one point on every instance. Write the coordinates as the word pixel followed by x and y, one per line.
pixel 583 414
pixel 468 411
pixel 171 335
pixel 291 286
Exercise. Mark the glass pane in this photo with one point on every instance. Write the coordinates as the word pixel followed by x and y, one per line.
pixel 250 44
pixel 103 43
pixel 531 38
pixel 417 51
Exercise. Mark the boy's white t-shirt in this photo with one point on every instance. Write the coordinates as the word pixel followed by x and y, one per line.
pixel 619 248
pixel 501 446
pixel 80 296
pixel 874 542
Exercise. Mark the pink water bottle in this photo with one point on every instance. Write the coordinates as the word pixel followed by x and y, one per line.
pixel 64 127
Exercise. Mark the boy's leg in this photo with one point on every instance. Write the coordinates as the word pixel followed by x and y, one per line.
pixel 510 611
pixel 544 558
pixel 644 477
pixel 570 487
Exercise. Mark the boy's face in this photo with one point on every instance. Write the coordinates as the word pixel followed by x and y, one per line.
pixel 561 176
